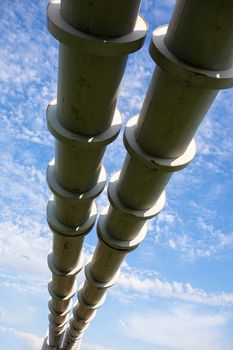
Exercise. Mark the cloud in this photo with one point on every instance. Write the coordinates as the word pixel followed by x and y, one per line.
pixel 30 341
pixel 23 250
pixel 34 342
pixel 213 243
pixel 180 328
pixel 194 231
pixel 134 285
pixel 27 82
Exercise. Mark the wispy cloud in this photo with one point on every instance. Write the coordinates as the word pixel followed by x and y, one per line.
pixel 33 342
pixel 180 328
pixel 23 251
pixel 30 341
pixel 194 232
pixel 27 82
pixel 136 285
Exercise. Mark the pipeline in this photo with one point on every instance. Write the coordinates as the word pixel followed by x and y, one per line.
pixel 95 38
pixel 194 60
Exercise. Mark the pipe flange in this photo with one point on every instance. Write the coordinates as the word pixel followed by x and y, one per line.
pixel 59 320
pixel 57 332
pixel 70 340
pixel 180 70
pixel 57 327
pixel 59 314
pixel 103 285
pixel 133 213
pixel 65 230
pixel 88 306
pixel 77 318
pixel 68 137
pixel 61 192
pixel 60 273
pixel 70 36
pixel 78 327
pixel 164 165
pixel 59 298
pixel 116 244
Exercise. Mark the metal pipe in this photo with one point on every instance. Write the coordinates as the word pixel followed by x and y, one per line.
pixel 84 120
pixel 102 18
pixel 160 141
pixel 199 24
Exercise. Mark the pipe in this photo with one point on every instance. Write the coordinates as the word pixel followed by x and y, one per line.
pixel 84 120
pixel 101 18
pixel 160 141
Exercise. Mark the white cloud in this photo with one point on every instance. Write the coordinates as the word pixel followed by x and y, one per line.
pixel 34 342
pixel 180 328
pixel 193 231
pixel 134 285
pixel 31 341
pixel 23 251
pixel 214 244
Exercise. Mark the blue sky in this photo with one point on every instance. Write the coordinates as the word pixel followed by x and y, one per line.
pixel 175 291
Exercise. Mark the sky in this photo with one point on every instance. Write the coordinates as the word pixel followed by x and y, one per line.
pixel 175 291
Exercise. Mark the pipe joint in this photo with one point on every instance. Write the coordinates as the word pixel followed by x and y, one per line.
pixel 73 208
pixel 55 337
pixel 60 273
pixel 81 327
pixel 116 244
pixel 67 137
pixel 65 230
pixel 59 317
pixel 68 35
pixel 76 332
pixel 83 303
pixel 96 284
pixel 131 215
pixel 71 342
pixel 180 70
pixel 78 322
pixel 161 164
pixel 61 304
pixel 63 282
pixel 58 328
pixel 61 192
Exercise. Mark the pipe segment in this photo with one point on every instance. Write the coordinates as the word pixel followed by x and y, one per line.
pixel 56 335
pixel 80 154
pixel 85 310
pixel 143 191
pixel 79 323
pixel 201 24
pixel 160 141
pixel 59 304
pixel 45 345
pixel 102 18
pixel 73 208
pixel 63 282
pixel 94 291
pixel 76 330
pixel 65 262
pixel 92 60
pixel 71 342
pixel 59 317
pixel 165 129
pixel 103 271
